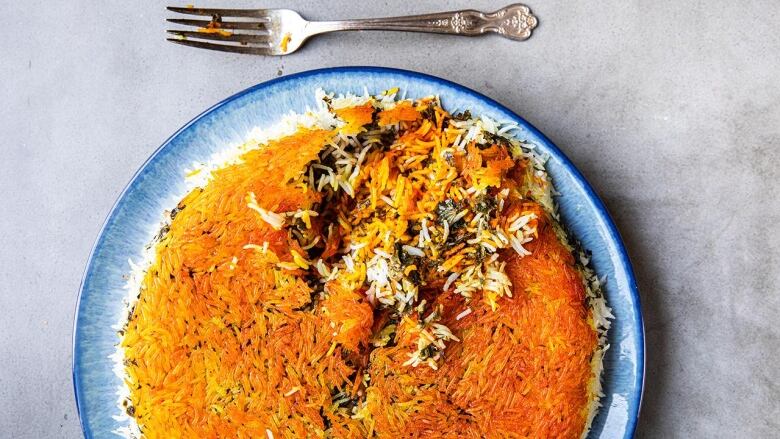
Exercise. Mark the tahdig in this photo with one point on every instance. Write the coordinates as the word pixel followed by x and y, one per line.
pixel 377 267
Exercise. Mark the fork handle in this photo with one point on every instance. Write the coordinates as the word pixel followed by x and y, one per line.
pixel 514 21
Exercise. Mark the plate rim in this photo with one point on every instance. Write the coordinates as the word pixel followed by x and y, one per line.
pixel 600 208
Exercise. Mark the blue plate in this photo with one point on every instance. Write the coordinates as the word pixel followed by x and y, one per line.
pixel 154 186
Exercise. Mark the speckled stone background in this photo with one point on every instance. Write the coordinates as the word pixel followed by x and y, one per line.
pixel 671 110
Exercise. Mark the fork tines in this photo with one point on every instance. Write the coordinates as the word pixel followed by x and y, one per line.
pixel 254 37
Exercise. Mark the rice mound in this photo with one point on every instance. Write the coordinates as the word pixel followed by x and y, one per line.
pixel 376 267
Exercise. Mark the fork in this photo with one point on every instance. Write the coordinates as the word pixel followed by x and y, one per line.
pixel 283 31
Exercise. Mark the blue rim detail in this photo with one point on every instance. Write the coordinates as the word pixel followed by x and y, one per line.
pixel 601 209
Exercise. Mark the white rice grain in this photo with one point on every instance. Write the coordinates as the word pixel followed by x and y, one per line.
pixel 464 313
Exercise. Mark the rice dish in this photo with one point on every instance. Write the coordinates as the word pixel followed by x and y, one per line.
pixel 375 267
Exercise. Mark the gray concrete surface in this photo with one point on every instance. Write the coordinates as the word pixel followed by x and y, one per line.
pixel 671 109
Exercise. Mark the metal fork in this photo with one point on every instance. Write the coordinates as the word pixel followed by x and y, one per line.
pixel 282 31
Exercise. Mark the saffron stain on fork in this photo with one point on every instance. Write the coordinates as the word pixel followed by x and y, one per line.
pixel 215 30
pixel 285 40
pixel 215 27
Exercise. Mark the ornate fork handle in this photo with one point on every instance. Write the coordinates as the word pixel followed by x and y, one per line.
pixel 514 21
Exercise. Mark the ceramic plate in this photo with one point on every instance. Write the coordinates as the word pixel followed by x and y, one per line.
pixel 153 188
